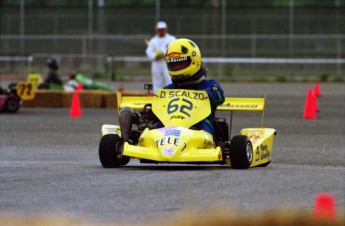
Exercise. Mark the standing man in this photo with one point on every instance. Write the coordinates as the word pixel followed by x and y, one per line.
pixel 155 51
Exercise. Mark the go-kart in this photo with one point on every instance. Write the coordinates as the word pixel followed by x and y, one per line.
pixel 178 142
pixel 9 100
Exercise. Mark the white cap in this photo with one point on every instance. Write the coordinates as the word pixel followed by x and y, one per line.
pixel 161 25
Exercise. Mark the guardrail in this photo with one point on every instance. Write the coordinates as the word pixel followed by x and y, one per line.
pixel 212 62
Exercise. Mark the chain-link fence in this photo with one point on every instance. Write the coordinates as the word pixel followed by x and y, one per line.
pixel 83 41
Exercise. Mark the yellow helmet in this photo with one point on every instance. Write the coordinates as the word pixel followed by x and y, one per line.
pixel 183 59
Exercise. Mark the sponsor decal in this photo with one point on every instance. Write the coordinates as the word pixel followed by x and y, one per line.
pixel 183 93
pixel 174 54
pixel 175 57
pixel 171 137
pixel 163 129
pixel 265 153
pixel 177 117
pixel 257 154
pixel 168 140
pixel 263 147
pixel 184 147
pixel 173 60
pixel 229 105
pixel 173 106
pixel 254 136
pixel 173 132
pixel 208 143
pixel 168 151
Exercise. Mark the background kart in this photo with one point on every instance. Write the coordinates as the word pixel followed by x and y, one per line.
pixel 9 100
pixel 179 110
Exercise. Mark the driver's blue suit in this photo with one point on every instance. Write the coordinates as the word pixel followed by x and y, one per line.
pixel 216 99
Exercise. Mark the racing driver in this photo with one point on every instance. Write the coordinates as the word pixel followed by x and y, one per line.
pixel 185 68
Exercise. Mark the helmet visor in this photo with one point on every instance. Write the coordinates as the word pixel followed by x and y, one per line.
pixel 178 64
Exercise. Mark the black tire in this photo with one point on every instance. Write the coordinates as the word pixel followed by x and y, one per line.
pixel 12 105
pixel 110 152
pixel 125 160
pixel 241 152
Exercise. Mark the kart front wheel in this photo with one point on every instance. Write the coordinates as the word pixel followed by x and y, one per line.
pixel 110 151
pixel 241 152
pixel 12 105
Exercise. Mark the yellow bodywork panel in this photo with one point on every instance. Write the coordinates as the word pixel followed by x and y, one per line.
pixel 172 106
pixel 230 103
pixel 178 107
pixel 174 144
pixel 243 104
pixel 262 140
pixel 133 102
pixel 110 129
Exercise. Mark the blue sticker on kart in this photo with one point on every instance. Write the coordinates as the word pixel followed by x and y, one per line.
pixel 173 132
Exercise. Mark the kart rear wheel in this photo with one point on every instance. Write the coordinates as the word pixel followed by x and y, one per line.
pixel 241 152
pixel 110 153
pixel 12 105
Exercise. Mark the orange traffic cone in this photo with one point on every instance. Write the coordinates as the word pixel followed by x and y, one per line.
pixel 309 107
pixel 75 111
pixel 79 86
pixel 317 91
pixel 315 102
pixel 324 207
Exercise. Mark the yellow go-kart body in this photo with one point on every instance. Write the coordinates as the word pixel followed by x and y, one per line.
pixel 177 141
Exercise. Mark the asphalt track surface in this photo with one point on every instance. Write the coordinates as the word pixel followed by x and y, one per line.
pixel 49 163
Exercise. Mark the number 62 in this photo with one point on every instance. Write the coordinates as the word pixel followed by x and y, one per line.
pixel 173 107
